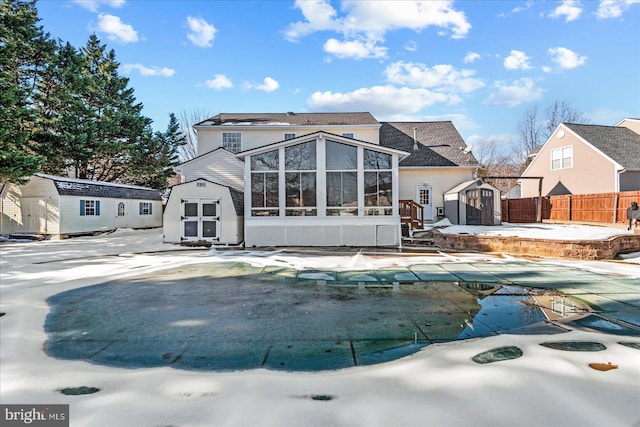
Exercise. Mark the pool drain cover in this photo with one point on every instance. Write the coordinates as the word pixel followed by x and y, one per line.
pixel 498 354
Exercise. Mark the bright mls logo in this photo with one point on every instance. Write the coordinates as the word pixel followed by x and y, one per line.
pixel 35 415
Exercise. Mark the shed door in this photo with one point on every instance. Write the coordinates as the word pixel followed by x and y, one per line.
pixel 486 206
pixel 473 207
pixel 200 219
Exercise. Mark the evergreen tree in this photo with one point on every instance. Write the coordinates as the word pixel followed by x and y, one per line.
pixel 153 159
pixel 25 51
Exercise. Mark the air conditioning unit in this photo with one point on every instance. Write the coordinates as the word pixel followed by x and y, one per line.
pixel 440 211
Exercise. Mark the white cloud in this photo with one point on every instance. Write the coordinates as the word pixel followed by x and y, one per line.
pixel 442 77
pixel 566 58
pixel 116 30
pixel 355 49
pixel 219 81
pixel 517 9
pixel 94 5
pixel 364 23
pixel 519 92
pixel 517 60
pixel 149 71
pixel 569 9
pixel 471 57
pixel 411 46
pixel 379 100
pixel 269 85
pixel 201 33
pixel 614 8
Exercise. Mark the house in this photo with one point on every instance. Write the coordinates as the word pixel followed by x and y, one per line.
pixel 586 159
pixel 323 179
pixel 59 206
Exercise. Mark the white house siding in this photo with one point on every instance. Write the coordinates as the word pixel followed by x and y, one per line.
pixel 231 225
pixel 254 137
pixel 71 222
pixel 441 179
pixel 219 166
pixel 592 171
pixel 30 208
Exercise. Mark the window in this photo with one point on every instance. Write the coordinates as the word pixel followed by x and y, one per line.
pixel 562 158
pixel 89 207
pixel 145 208
pixel 232 141
pixel 347 134
pixel 342 179
pixel 423 195
pixel 377 183
pixel 289 136
pixel 300 179
pixel 264 184
pixel 121 209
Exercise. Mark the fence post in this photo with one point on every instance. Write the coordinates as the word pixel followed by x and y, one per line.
pixel 569 207
pixel 616 201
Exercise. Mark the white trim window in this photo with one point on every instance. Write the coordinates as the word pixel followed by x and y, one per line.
pixel 288 136
pixel 265 200
pixel 89 207
pixel 342 179
pixel 349 135
pixel 300 179
pixel 232 141
pixel 562 158
pixel 146 208
pixel 378 180
pixel 121 209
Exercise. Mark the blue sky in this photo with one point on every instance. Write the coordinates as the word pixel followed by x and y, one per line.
pixel 478 63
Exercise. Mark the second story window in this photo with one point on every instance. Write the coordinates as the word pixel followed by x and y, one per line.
pixel 288 136
pixel 562 158
pixel 348 135
pixel 232 141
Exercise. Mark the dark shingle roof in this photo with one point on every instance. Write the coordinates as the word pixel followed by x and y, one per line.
pixel 84 187
pixel 300 119
pixel 619 143
pixel 439 143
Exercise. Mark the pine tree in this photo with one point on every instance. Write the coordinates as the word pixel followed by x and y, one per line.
pixel 25 51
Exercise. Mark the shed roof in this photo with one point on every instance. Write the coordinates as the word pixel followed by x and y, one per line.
pixel 289 119
pixel 85 187
pixel 438 143
pixel 620 144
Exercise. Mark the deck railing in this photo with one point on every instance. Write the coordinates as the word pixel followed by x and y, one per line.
pixel 412 213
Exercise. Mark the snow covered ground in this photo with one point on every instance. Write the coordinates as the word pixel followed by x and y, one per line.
pixel 438 386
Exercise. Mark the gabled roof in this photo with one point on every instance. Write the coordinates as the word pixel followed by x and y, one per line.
pixel 289 119
pixel 620 144
pixel 219 150
pixel 438 144
pixel 88 188
pixel 322 134
pixel 237 197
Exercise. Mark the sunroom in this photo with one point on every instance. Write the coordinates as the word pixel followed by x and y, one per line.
pixel 322 189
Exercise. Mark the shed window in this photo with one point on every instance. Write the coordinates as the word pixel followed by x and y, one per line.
pixel 121 209
pixel 89 207
pixel 145 208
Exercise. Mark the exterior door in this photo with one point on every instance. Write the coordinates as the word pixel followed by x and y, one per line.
pixel 473 207
pixel 424 197
pixel 200 219
pixel 486 206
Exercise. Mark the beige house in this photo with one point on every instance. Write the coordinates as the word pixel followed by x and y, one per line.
pixel 326 179
pixel 585 159
pixel 59 206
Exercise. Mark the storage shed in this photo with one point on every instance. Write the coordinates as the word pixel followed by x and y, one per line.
pixel 204 211
pixel 59 206
pixel 473 202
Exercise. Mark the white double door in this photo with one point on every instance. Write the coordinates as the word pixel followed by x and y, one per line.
pixel 200 219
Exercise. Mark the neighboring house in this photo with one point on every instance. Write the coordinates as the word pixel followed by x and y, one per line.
pixel 59 206
pixel 585 159
pixel 324 179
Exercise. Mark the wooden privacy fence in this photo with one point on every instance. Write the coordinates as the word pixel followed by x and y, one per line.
pixel 603 207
